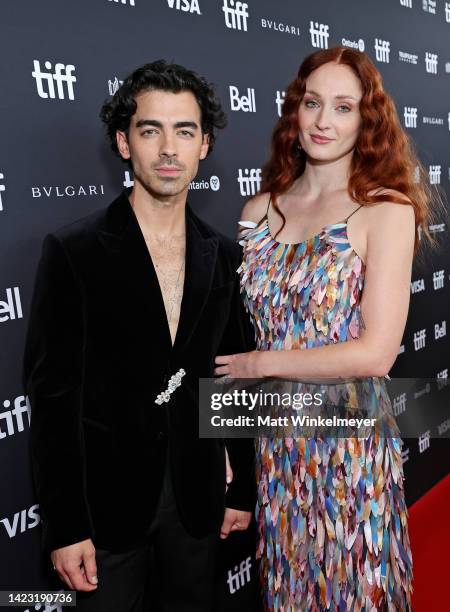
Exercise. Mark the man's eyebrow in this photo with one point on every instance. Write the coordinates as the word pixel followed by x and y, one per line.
pixel 155 123
pixel 339 97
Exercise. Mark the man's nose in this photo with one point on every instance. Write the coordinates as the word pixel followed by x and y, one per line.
pixel 168 146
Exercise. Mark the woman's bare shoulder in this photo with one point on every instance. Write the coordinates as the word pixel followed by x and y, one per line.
pixel 255 208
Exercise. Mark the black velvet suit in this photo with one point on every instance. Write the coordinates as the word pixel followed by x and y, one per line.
pixel 99 352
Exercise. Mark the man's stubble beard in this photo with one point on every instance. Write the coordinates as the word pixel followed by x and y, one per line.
pixel 164 186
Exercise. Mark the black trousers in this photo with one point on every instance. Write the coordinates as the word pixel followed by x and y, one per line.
pixel 170 572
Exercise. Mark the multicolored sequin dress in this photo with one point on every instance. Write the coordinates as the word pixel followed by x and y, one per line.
pixel 331 512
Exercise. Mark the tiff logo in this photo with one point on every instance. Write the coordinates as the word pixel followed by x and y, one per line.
pixel 244 103
pixel 2 188
pixel 131 2
pixel 424 441
pixel 62 75
pixel 399 404
pixel 410 116
pixel 319 34
pixel 188 6
pixel 249 182
pixel 279 101
pixel 440 330
pixel 442 378
pixel 434 173
pixel 236 14
pixel 447 12
pixel 407 3
pixel 14 418
pixel 240 576
pixel 438 279
pixel 419 339
pixel 429 6
pixel 382 50
pixel 29 518
pixel 431 62
pixel 113 86
pixel 12 308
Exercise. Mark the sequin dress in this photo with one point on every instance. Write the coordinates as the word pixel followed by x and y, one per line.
pixel 331 513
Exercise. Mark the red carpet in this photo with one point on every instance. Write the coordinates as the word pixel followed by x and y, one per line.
pixel 429 529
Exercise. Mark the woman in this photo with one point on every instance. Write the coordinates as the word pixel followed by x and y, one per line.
pixel 328 251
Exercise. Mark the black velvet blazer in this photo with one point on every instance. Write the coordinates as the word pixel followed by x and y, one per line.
pixel 98 353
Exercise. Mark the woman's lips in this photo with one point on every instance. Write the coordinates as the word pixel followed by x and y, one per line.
pixel 320 139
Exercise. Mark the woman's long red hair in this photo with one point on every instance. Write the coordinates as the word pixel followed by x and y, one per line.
pixel 383 157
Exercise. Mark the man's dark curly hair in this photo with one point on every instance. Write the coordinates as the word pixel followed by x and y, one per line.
pixel 160 75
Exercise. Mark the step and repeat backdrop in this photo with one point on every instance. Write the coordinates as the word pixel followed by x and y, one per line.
pixel 59 61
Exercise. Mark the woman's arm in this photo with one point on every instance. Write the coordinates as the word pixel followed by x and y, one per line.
pixel 384 309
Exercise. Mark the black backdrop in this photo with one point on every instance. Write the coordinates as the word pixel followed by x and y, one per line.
pixel 59 60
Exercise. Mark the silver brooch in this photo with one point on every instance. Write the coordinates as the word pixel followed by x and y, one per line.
pixel 174 383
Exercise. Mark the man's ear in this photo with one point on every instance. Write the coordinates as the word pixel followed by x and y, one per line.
pixel 205 146
pixel 122 145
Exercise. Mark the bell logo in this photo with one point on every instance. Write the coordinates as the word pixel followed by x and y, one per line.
pixel 12 308
pixel 62 75
pixel 440 330
pixel 188 6
pixel 246 103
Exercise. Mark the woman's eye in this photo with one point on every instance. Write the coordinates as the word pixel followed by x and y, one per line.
pixel 346 108
pixel 309 102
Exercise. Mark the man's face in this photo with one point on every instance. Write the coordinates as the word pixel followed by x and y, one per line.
pixel 165 142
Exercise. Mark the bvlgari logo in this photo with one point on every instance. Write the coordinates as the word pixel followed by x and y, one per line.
pixel 67 191
pixel 280 26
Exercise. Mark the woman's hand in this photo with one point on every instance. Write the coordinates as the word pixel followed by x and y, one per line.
pixel 241 365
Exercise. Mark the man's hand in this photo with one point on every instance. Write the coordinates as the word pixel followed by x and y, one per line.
pixel 228 471
pixel 234 520
pixel 76 565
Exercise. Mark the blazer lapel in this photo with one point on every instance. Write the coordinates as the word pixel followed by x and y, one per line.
pixel 123 240
pixel 201 254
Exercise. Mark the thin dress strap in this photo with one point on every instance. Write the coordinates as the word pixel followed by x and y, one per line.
pixel 266 216
pixel 356 210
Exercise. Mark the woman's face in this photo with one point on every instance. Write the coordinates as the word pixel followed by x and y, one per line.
pixel 328 116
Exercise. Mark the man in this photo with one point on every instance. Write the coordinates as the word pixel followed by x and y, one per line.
pixel 131 306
